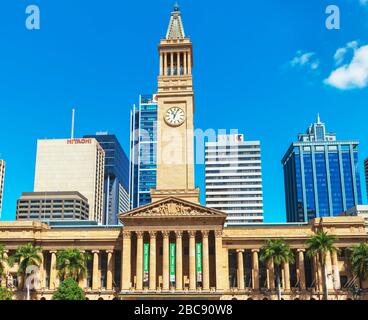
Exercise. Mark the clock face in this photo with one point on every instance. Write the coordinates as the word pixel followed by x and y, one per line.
pixel 175 116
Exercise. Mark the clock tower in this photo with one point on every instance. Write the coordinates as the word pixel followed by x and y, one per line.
pixel 175 123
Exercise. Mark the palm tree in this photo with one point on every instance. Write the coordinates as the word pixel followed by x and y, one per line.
pixel 359 262
pixel 279 252
pixel 26 256
pixel 322 244
pixel 4 260
pixel 72 263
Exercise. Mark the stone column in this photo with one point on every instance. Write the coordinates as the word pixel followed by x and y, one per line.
pixel 206 262
pixel 82 281
pixel 110 267
pixel 179 260
pixel 221 258
pixel 172 64
pixel 189 63
pixel 192 264
pixel 164 61
pixel 287 276
pixel 139 264
pixel 53 271
pixel 126 262
pixel 152 262
pixel 185 63
pixel 328 269
pixel 165 261
pixel 301 269
pixel 96 280
pixel 270 275
pixel 255 269
pixel 336 272
pixel 241 285
pixel 178 63
pixel 161 63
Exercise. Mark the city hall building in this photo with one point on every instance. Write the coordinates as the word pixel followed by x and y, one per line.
pixel 174 248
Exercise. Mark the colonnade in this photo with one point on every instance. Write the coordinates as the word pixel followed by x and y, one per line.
pixel 175 63
pixel 332 268
pixel 174 280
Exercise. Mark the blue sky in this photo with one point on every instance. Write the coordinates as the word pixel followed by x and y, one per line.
pixel 260 67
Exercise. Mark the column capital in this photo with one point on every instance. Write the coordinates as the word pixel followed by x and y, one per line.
pixel 240 250
pixel 95 251
pixel 53 251
pixel 300 250
pixel 179 234
pixel 205 233
pixel 127 234
pixel 165 233
pixel 110 251
pixel 153 234
pixel 255 250
pixel 218 233
pixel 140 234
pixel 192 233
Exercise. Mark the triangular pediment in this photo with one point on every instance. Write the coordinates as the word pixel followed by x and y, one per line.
pixel 172 207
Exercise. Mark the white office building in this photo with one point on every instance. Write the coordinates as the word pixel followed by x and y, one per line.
pixel 234 179
pixel 74 165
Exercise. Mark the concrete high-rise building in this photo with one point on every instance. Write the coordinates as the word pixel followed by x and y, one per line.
pixel 143 146
pixel 2 177
pixel 321 175
pixel 366 173
pixel 116 186
pixel 72 165
pixel 234 179
pixel 52 206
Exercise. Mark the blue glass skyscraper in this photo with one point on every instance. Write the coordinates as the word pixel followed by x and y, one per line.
pixel 143 146
pixel 116 187
pixel 321 175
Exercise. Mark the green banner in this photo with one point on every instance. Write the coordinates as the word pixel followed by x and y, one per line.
pixel 146 253
pixel 199 262
pixel 172 262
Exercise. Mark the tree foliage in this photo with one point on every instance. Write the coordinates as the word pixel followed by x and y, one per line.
pixel 6 294
pixel 69 290
pixel 72 263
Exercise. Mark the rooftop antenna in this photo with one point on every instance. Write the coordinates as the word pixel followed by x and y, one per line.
pixel 73 118
pixel 318 119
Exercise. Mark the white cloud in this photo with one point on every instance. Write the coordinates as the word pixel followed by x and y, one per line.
pixel 354 74
pixel 341 52
pixel 306 59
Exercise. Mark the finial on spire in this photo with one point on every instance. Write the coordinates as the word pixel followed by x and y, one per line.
pixel 176 6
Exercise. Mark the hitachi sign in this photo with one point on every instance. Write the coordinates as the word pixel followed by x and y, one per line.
pixel 79 141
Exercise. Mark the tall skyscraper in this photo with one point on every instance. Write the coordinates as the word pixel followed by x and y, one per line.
pixel 234 179
pixel 72 165
pixel 2 177
pixel 143 146
pixel 366 173
pixel 321 175
pixel 116 186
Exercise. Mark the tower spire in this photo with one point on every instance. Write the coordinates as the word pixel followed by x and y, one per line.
pixel 176 28
pixel 318 119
